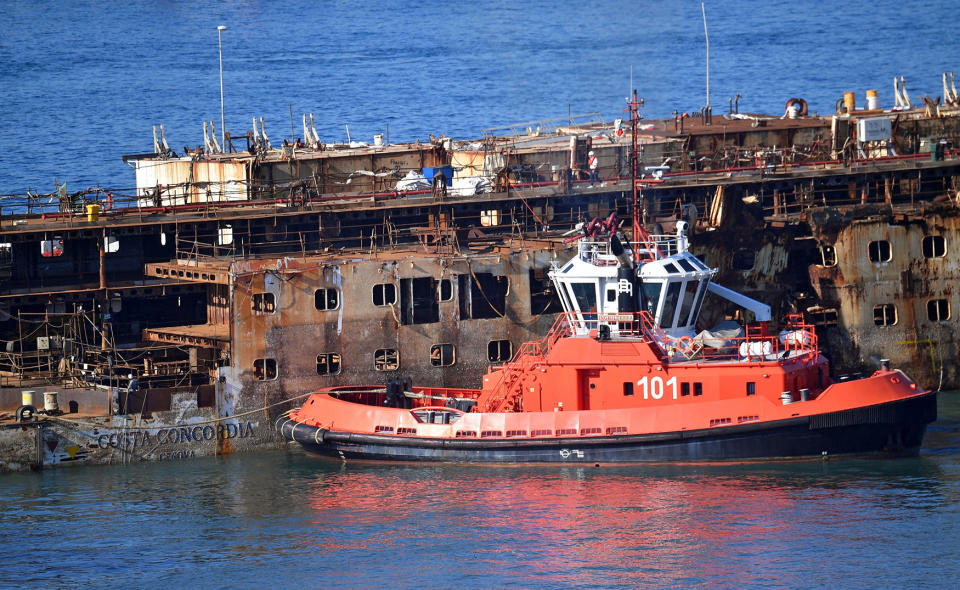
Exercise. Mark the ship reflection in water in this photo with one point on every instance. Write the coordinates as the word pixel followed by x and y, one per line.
pixel 788 525
pixel 299 521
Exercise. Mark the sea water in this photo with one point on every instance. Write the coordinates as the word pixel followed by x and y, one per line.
pixel 284 519
pixel 82 83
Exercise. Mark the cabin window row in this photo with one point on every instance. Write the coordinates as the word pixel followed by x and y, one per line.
pixel 482 295
pixel 386 359
pixel 879 251
pixel 885 314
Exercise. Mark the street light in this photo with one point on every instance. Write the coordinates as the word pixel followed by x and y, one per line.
pixel 220 30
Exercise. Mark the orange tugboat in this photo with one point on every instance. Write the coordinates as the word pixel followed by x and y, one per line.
pixel 623 377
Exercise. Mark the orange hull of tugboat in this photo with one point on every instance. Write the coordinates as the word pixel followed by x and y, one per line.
pixel 589 400
pixel 622 377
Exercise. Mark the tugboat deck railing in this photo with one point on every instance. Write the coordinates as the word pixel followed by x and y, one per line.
pixel 799 338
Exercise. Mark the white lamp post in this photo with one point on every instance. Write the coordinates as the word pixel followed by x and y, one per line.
pixel 220 30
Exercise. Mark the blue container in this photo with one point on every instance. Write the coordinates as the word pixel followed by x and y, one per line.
pixel 447 172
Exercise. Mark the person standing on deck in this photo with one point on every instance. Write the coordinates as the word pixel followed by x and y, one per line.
pixel 593 164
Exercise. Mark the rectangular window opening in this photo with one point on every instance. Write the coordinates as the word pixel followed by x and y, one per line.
pixel 386 359
pixel 499 351
pixel 938 310
pixel 264 302
pixel 265 369
pixel 885 314
pixel 419 303
pixel 442 355
pixel 934 247
pixel 384 294
pixel 328 363
pixel 326 299
pixel 879 251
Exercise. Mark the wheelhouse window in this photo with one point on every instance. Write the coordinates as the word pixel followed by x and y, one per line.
pixel 879 251
pixel 670 305
pixel 386 359
pixel 651 295
pixel 265 369
pixel 326 299
pixel 384 294
pixel 934 247
pixel 689 296
pixel 442 355
pixel 328 363
pixel 499 351
pixel 938 310
pixel 264 302
pixel 885 314
pixel 585 296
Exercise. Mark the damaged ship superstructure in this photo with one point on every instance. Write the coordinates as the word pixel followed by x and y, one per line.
pixel 236 278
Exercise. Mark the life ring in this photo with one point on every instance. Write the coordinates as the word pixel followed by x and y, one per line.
pixel 685 344
pixel 799 101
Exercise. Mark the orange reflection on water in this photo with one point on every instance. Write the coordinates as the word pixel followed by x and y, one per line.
pixel 564 525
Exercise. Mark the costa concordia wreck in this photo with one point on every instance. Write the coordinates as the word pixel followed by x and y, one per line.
pixel 181 318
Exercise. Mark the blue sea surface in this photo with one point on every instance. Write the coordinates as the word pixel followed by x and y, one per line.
pixel 83 82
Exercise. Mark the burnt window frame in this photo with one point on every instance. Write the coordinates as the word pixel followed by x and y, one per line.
pixel 501 358
pixel 264 367
pixel 439 350
pixel 930 252
pixel 326 298
pixel 259 302
pixel 440 288
pixel 936 302
pixel 884 308
pixel 738 258
pixel 876 257
pixel 382 366
pixel 383 298
pixel 828 255
pixel 329 356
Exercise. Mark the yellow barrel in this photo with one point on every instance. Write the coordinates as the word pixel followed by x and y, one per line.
pixel 873 101
pixel 850 101
pixel 93 212
pixel 26 398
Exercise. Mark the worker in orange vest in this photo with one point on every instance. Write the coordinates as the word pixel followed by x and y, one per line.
pixel 592 164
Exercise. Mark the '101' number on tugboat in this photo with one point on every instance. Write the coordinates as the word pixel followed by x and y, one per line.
pixel 653 387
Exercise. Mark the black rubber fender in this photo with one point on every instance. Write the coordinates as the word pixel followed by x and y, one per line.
pixel 26 413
